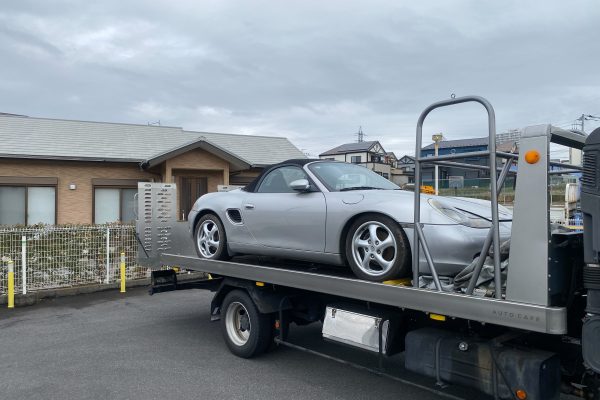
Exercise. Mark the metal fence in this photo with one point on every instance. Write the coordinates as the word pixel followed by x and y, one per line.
pixel 62 256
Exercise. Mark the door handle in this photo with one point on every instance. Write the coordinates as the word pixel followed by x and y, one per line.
pixel 249 206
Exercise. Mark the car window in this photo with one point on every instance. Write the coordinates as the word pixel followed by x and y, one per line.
pixel 278 180
pixel 339 176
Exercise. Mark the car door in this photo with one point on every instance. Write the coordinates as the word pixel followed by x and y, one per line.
pixel 280 217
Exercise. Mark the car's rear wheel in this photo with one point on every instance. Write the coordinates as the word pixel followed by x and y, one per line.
pixel 210 238
pixel 247 331
pixel 377 248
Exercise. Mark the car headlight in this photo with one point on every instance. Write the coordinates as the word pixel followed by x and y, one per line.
pixel 460 216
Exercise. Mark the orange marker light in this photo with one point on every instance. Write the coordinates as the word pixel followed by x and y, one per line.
pixel 521 394
pixel 532 156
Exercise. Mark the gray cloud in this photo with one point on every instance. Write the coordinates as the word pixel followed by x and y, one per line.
pixel 311 71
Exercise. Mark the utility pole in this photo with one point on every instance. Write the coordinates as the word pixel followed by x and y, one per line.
pixel 437 138
pixel 580 122
pixel 575 154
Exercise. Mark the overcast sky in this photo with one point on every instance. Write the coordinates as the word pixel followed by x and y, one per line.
pixel 313 71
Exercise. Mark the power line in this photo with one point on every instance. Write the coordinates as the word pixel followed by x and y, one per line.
pixel 585 117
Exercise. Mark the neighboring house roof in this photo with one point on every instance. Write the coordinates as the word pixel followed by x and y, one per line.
pixel 44 138
pixel 391 154
pixel 350 148
pixel 474 142
pixel 406 158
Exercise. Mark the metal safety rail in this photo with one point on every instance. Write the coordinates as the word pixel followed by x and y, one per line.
pixel 556 135
pixel 419 237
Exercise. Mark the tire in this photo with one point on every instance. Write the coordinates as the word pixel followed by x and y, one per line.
pixel 210 239
pixel 377 248
pixel 247 332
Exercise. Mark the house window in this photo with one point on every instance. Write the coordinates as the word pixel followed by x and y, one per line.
pixel 114 200
pixel 386 175
pixel 27 204
pixel 355 159
pixel 114 204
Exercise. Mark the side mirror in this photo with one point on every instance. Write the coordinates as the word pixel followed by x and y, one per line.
pixel 300 185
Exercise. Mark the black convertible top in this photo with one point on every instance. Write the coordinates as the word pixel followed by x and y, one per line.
pixel 300 162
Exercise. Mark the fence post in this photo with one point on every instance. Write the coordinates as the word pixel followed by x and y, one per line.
pixel 122 272
pixel 24 264
pixel 107 255
pixel 11 284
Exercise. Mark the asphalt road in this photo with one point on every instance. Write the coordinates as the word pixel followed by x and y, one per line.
pixel 134 346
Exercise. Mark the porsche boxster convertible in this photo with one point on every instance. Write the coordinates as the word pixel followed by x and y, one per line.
pixel 334 212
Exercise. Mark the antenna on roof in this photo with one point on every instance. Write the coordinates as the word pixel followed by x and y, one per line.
pixel 361 135
pixel 154 123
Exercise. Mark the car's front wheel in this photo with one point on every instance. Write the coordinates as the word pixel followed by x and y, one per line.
pixel 210 238
pixel 377 248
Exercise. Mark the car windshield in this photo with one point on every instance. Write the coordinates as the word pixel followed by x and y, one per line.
pixel 340 176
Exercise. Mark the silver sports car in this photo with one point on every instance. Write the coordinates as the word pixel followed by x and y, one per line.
pixel 338 213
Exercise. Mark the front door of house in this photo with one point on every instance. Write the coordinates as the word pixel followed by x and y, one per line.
pixel 189 190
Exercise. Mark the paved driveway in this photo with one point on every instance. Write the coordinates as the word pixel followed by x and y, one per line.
pixel 110 346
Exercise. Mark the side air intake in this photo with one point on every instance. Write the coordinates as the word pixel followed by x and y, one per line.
pixel 234 215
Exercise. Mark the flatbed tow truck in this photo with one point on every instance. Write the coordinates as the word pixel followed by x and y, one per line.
pixel 535 338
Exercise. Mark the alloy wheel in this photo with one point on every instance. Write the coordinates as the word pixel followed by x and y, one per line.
pixel 374 248
pixel 208 239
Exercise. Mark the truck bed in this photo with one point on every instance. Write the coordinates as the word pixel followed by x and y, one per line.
pixel 340 282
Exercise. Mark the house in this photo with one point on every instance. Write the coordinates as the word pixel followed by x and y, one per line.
pixel 399 174
pixel 456 147
pixel 405 170
pixel 392 159
pixel 369 154
pixel 447 174
pixel 57 171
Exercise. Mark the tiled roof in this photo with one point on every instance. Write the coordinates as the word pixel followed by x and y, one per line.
pixel 44 138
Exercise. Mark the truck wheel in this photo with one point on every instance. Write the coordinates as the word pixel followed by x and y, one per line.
pixel 377 248
pixel 247 332
pixel 210 239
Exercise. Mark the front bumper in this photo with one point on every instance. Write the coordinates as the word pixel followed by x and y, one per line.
pixel 453 247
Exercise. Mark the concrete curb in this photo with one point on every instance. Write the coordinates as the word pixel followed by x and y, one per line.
pixel 32 298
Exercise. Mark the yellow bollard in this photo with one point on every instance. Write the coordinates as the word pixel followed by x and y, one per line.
pixel 11 284
pixel 122 272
